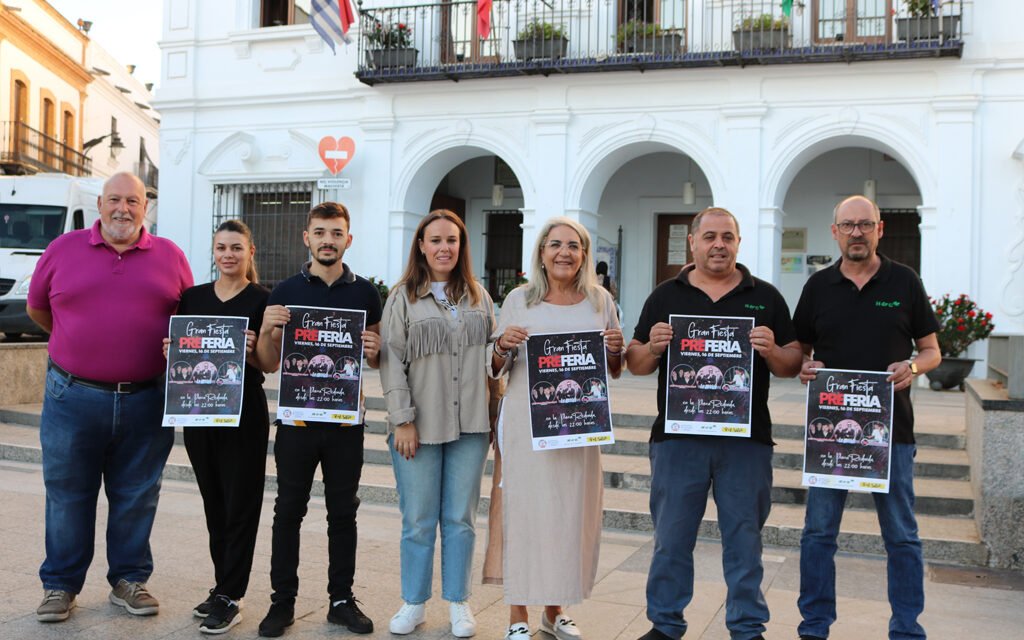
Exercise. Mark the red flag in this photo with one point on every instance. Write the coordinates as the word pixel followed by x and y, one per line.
pixel 347 15
pixel 483 18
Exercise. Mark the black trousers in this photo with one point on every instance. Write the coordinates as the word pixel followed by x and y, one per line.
pixel 230 466
pixel 298 450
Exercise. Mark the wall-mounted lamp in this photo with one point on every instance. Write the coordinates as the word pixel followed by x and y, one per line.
pixel 116 146
pixel 870 189
pixel 689 193
pixel 497 195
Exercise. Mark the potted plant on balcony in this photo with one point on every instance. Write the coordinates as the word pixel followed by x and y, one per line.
pixel 762 33
pixel 637 36
pixel 922 23
pixel 540 40
pixel 390 45
pixel 961 322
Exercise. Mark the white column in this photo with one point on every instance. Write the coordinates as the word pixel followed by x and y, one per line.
pixel 743 123
pixel 769 242
pixel 380 242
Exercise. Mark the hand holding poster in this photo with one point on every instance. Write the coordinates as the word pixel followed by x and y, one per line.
pixel 568 378
pixel 321 365
pixel 205 370
pixel 848 430
pixel 710 373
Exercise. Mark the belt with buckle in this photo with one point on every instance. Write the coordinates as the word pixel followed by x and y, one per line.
pixel 116 387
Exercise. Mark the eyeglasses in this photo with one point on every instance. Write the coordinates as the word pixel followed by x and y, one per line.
pixel 571 247
pixel 865 226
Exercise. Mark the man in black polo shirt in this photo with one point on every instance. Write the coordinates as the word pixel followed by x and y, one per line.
pixel 866 313
pixel 685 467
pixel 300 447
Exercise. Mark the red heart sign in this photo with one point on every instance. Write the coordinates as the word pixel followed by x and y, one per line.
pixel 336 152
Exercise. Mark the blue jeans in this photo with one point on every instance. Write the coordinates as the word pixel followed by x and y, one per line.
pixel 817 600
pixel 89 435
pixel 739 474
pixel 441 484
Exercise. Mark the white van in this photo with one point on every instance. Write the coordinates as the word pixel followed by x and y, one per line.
pixel 33 211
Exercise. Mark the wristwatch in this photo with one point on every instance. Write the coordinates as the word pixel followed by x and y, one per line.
pixel 913 367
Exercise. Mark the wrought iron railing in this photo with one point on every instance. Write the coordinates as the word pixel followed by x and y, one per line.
pixel 26 150
pixel 443 40
pixel 149 174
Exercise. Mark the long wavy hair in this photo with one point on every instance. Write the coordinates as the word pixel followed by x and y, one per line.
pixel 586 278
pixel 417 274
pixel 237 226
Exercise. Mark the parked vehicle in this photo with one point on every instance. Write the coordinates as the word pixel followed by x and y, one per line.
pixel 33 211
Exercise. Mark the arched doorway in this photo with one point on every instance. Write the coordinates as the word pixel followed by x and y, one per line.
pixel 807 243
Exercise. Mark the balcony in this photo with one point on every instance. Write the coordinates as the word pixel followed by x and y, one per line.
pixel 150 176
pixel 26 150
pixel 441 40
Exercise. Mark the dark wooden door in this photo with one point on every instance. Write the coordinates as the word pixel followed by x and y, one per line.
pixel 504 258
pixel 673 246
pixel 902 238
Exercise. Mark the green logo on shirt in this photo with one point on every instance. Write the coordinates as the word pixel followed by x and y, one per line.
pixel 755 307
pixel 888 305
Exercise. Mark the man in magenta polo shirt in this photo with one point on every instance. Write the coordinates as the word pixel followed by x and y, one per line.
pixel 104 294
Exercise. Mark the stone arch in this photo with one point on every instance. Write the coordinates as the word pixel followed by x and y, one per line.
pixel 431 157
pixel 808 142
pixel 607 153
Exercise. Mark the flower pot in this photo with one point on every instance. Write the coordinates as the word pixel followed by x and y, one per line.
pixel 666 44
pixel 391 58
pixel 532 49
pixel 762 39
pixel 950 373
pixel 927 28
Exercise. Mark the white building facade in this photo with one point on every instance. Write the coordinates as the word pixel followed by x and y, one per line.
pixel 938 137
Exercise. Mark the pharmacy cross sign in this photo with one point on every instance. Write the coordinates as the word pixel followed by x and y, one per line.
pixel 336 152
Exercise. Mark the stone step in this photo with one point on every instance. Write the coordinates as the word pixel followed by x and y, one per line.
pixel 945 539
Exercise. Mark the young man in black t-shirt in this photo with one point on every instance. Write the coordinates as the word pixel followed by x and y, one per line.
pixel 685 467
pixel 866 313
pixel 298 448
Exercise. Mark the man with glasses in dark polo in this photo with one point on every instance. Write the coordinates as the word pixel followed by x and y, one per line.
pixel 866 313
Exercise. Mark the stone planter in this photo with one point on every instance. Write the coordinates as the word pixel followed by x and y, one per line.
pixel 391 58
pixel 927 28
pixel 950 373
pixel 533 49
pixel 762 40
pixel 666 44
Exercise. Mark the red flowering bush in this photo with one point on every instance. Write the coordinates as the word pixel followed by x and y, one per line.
pixel 961 322
pixel 389 36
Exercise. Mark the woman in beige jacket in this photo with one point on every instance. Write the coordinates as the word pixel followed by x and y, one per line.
pixel 435 331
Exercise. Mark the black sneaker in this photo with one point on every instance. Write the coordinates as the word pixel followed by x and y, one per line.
pixel 280 617
pixel 203 608
pixel 223 615
pixel 347 612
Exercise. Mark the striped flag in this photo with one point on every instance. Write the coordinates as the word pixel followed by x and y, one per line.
pixel 483 18
pixel 332 20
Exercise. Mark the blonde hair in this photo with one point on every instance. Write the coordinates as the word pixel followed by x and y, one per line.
pixel 586 278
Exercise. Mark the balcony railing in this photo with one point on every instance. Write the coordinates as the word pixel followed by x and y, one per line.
pixel 442 41
pixel 26 150
pixel 149 174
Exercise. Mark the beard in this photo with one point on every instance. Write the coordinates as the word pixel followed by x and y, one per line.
pixel 119 232
pixel 327 261
pixel 857 257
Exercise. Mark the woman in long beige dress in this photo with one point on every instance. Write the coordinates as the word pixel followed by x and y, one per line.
pixel 551 500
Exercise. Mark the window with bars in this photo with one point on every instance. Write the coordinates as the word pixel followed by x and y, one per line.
pixel 276 213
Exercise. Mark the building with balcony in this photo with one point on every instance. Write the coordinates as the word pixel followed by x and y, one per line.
pixel 72 107
pixel 628 115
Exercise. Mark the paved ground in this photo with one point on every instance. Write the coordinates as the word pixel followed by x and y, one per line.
pixel 962 603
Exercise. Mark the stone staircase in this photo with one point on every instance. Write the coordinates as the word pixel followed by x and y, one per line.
pixel 945 505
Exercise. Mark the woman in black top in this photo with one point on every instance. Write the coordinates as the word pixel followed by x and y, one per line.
pixel 230 463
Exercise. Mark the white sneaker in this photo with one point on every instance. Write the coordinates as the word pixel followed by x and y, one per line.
pixel 407 619
pixel 518 631
pixel 562 628
pixel 463 622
